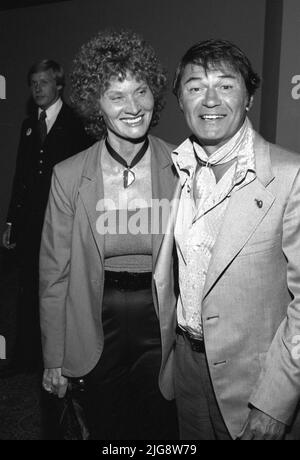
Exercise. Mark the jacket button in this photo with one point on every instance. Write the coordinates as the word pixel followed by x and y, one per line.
pixel 210 318
pixel 219 363
pixel 40 172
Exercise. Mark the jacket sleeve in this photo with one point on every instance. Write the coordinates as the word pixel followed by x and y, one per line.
pixel 54 271
pixel 278 390
pixel 19 185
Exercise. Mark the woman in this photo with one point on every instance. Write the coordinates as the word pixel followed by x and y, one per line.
pixel 99 314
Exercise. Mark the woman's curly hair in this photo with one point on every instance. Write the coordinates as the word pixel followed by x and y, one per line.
pixel 113 54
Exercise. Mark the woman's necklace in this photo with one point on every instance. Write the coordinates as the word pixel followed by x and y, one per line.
pixel 128 175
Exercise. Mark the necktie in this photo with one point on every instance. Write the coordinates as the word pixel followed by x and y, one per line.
pixel 42 126
pixel 205 179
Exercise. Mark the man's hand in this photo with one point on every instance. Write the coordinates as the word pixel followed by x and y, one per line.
pixel 54 382
pixel 6 238
pixel 261 426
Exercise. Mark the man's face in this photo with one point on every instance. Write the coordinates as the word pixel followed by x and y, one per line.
pixel 44 89
pixel 214 103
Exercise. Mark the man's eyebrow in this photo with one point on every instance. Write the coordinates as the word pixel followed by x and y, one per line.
pixel 192 79
pixel 228 75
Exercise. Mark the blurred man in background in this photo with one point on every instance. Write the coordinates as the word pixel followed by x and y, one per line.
pixel 49 135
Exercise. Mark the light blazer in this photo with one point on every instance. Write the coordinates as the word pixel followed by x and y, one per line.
pixel 251 301
pixel 72 259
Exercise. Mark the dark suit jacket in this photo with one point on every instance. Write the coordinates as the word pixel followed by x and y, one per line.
pixel 34 169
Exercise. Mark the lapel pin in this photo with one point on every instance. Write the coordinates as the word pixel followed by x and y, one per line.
pixel 28 132
pixel 259 203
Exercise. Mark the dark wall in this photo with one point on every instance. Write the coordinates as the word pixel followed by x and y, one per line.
pixel 271 69
pixel 288 111
pixel 56 31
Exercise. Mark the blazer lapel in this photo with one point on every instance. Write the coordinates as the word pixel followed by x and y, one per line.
pixel 91 192
pixel 164 258
pixel 32 130
pixel 242 216
pixel 163 185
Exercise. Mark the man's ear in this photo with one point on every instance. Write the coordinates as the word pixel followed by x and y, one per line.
pixel 250 103
pixel 180 103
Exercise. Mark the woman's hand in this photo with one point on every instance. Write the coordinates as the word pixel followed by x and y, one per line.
pixel 54 382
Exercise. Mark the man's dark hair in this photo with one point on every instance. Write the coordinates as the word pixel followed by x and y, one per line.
pixel 214 54
pixel 43 66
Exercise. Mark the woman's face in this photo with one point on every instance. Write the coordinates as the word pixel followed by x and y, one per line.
pixel 127 107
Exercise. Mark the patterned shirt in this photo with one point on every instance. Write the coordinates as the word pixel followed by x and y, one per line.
pixel 198 223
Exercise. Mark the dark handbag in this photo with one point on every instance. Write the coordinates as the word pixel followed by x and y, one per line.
pixel 72 421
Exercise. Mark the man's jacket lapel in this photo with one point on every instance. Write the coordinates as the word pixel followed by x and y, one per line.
pixel 246 209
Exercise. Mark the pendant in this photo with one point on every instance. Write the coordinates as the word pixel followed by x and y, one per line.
pixel 128 177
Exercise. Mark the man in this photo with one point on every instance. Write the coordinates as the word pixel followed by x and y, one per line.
pixel 51 134
pixel 236 227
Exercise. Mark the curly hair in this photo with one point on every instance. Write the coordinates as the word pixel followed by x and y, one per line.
pixel 213 54
pixel 113 54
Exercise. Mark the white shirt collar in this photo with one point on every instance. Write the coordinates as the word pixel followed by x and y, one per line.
pixel 52 113
pixel 53 110
pixel 185 162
